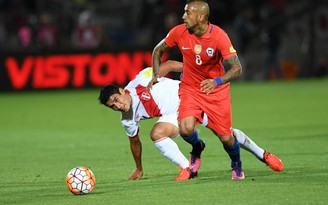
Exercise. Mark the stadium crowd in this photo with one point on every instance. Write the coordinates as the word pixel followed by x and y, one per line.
pixel 276 27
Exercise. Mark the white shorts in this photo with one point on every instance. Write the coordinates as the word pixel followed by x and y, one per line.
pixel 173 119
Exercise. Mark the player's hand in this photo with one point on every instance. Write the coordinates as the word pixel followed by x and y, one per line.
pixel 151 83
pixel 208 85
pixel 136 174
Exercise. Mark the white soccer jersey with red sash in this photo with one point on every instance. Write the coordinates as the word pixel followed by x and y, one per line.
pixel 149 105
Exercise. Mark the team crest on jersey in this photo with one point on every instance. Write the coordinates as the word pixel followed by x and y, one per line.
pixel 198 49
pixel 210 52
pixel 145 96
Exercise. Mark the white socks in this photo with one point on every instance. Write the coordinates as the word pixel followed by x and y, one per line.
pixel 171 151
pixel 247 144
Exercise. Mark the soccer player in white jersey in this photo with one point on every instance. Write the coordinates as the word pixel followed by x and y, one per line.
pixel 136 104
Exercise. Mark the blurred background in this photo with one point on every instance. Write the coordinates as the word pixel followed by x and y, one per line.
pixel 46 44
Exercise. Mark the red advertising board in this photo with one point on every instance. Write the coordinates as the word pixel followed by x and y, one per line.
pixel 53 71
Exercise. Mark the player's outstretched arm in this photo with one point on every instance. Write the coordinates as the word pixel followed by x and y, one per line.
pixel 158 52
pixel 170 66
pixel 136 150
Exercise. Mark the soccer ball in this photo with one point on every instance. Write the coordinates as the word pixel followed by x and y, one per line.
pixel 80 180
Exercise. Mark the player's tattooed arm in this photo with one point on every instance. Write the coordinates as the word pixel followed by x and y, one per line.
pixel 158 52
pixel 234 69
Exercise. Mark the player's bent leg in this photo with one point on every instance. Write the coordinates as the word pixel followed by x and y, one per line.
pixel 231 146
pixel 190 135
pixel 198 147
pixel 266 157
pixel 195 155
pixel 169 148
pixel 248 144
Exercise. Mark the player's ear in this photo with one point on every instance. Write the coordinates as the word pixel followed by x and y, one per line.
pixel 122 92
pixel 202 17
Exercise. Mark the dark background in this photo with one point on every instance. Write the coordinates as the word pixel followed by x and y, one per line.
pixel 275 39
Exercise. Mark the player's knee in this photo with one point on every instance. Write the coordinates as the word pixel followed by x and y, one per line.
pixel 227 139
pixel 186 127
pixel 186 130
pixel 157 134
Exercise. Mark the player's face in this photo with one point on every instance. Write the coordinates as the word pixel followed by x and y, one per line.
pixel 190 17
pixel 119 101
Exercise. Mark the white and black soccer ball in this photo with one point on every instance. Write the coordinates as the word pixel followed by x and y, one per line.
pixel 80 180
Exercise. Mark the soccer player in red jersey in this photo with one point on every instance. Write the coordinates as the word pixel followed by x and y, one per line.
pixel 162 102
pixel 205 82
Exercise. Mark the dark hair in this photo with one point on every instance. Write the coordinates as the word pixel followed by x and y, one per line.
pixel 106 92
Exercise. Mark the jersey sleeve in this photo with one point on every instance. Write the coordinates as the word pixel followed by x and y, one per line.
pixel 225 46
pixel 171 38
pixel 142 78
pixel 131 127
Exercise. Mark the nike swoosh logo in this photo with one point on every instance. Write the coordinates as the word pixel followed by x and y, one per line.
pixel 185 48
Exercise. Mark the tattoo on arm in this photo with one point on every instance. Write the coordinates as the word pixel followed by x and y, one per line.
pixel 158 52
pixel 234 69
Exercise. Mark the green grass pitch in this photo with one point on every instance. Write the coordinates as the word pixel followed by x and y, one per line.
pixel 45 134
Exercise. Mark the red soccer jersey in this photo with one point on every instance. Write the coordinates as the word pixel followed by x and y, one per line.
pixel 202 56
